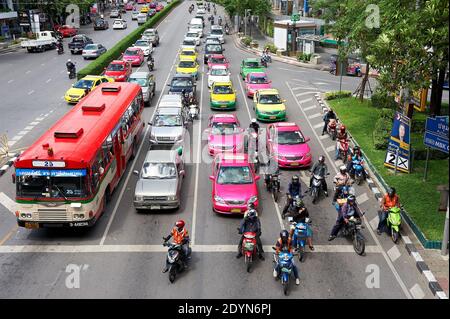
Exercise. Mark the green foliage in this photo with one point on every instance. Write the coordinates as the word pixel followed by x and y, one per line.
pixel 387 113
pixel 246 40
pixel 97 66
pixel 304 57
pixel 272 48
pixel 381 133
pixel 381 99
pixel 337 95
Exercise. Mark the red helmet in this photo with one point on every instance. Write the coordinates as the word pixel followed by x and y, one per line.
pixel 342 129
pixel 180 224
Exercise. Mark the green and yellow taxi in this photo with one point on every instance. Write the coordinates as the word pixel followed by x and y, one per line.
pixel 269 106
pixel 83 86
pixel 223 96
pixel 145 9
pixel 188 54
pixel 187 66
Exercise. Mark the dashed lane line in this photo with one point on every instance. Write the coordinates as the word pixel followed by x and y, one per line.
pixel 7 202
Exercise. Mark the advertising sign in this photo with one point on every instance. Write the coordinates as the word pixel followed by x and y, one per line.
pixel 398 151
pixel 436 133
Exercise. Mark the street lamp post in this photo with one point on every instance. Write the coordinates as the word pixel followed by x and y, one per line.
pixel 245 18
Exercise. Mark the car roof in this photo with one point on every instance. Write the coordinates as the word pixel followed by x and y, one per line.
pixel 117 62
pixel 286 126
pixel 268 91
pixel 227 159
pixel 186 60
pixel 218 66
pixel 216 27
pixel 226 118
pixel 223 83
pixel 168 111
pixel 150 30
pixel 93 77
pixel 140 74
pixel 161 156
pixel 258 74
pixel 216 56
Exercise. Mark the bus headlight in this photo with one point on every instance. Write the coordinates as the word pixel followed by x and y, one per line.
pixel 78 216
pixel 138 198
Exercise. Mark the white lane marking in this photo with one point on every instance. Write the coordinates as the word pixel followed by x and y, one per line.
pixel 362 198
pixel 374 223
pixel 21 133
pixel 11 143
pixel 314 116
pixel 391 266
pixel 245 97
pixel 10 81
pixel 31 92
pixel 306 100
pixel 305 93
pixel 158 249
pixel 28 72
pixel 320 125
pixel 42 64
pixel 198 160
pixel 34 123
pixel 298 80
pixel 339 163
pixel 331 148
pixel 119 200
pixel 309 108
pixel 320 83
pixel 417 292
pixel 40 118
pixel 406 239
pixel 28 128
pixel 48 81
pixel 297 71
pixel 7 202
pixel 394 253
pixel 16 138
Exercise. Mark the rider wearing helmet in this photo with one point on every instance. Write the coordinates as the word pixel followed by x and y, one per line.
pixel 70 65
pixel 300 214
pixel 255 127
pixel 284 243
pixel 294 189
pixel 390 200
pixel 349 209
pixel 251 223
pixel 357 157
pixel 326 118
pixel 340 180
pixel 181 237
pixel 341 137
pixel 321 169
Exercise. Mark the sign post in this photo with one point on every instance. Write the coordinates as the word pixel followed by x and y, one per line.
pixel 435 137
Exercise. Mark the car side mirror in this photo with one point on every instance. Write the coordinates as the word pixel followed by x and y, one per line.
pixel 136 172
pixel 211 177
pixel 284 100
pixel 257 178
pixel 182 172
pixel 307 139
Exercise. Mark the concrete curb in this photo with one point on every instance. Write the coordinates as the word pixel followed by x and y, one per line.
pixel 10 48
pixel 8 164
pixel 257 52
pixel 375 185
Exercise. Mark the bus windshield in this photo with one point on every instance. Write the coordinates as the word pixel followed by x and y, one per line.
pixel 62 184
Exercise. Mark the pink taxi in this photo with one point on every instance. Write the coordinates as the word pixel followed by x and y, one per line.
pixel 135 56
pixel 288 146
pixel 224 134
pixel 218 59
pixel 256 81
pixel 234 184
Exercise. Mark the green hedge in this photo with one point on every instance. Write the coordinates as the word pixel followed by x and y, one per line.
pixel 381 99
pixel 337 95
pixel 272 48
pixel 96 67
pixel 246 40
pixel 383 128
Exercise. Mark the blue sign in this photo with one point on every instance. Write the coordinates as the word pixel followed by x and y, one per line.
pixel 436 133
pixel 399 144
pixel 52 173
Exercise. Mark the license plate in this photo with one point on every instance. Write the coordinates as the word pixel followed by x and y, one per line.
pixel 235 210
pixel 31 225
pixel 223 106
pixel 155 207
pixel 273 117
pixel 295 164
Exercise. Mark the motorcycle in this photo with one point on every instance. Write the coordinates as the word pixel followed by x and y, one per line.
pixel 256 162
pixel 353 230
pixel 342 196
pixel 331 129
pixel 316 188
pixel 342 146
pixel 60 48
pixel 150 65
pixel 273 185
pixel 264 62
pixel 193 112
pixel 72 73
pixel 285 263
pixel 299 237
pixel 393 222
pixel 357 171
pixel 249 249
pixel 219 20
pixel 175 261
pixel 227 30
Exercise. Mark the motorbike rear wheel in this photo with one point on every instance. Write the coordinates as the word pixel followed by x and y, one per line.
pixel 285 288
pixel 359 244
pixel 172 274
pixel 275 193
pixel 394 235
pixel 301 255
pixel 248 263
pixel 358 179
pixel 315 196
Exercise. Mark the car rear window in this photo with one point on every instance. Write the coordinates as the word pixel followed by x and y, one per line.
pixel 115 67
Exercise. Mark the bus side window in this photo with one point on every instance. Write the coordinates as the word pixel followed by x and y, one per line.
pixel 105 152
pixel 101 163
pixel 95 178
pixel 109 145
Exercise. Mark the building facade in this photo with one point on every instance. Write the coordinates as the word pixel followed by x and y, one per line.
pixel 9 23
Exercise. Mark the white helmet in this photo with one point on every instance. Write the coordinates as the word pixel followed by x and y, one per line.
pixel 68 60
pixel 253 120
pixel 343 168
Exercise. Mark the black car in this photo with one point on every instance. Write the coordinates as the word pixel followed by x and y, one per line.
pixel 211 49
pixel 182 82
pixel 101 24
pixel 79 42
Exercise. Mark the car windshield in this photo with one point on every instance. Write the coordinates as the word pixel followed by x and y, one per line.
pixel 218 60
pixel 214 48
pixel 78 39
pixel 149 33
pixel 192 35
pixel 290 138
pixel 159 170
pixel 115 67
pixel 167 120
pixel 224 128
pixel 139 81
pixel 252 64
pixel 99 22
pixel 222 89
pixel 141 44
pixel 217 32
pixel 83 84
pixel 91 47
pixel 234 175
pixel 117 21
pixel 63 184
pixel 270 99
pixel 188 53
pixel 189 42
pixel 258 79
pixel 219 72
pixel 131 52
pixel 181 83
pixel 186 64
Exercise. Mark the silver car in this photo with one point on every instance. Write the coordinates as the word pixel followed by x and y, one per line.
pixel 167 127
pixel 151 35
pixel 160 180
pixel 146 81
pixel 93 51
pixel 145 45
pixel 217 32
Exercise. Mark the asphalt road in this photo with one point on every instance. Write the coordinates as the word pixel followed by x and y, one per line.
pixel 122 256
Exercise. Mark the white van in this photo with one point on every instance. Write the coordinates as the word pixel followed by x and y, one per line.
pixel 141 18
pixel 196 21
pixel 196 25
pixel 171 100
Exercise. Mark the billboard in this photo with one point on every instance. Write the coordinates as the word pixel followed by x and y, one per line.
pixel 398 151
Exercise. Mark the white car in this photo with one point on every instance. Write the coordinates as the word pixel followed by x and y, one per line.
pixel 119 24
pixel 188 43
pixel 145 45
pixel 218 73
pixel 201 10
pixel 217 32
pixel 198 28
pixel 134 15
pixel 193 35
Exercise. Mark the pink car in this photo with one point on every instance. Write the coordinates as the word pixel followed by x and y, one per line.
pixel 218 59
pixel 224 134
pixel 286 143
pixel 135 56
pixel 128 7
pixel 234 184
pixel 256 81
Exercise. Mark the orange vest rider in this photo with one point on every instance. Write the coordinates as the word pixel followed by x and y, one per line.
pixel 179 233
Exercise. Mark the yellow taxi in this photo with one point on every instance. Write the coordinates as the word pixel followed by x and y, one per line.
pixel 223 96
pixel 188 66
pixel 83 86
pixel 145 9
pixel 269 106
pixel 188 54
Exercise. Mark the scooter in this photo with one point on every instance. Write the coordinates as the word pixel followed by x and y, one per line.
pixel 249 249
pixel 316 188
pixel 193 112
pixel 175 262
pixel 353 229
pixel 357 171
pixel 72 73
pixel 150 65
pixel 393 222
pixel 227 30
pixel 60 48
pixel 342 146
pixel 299 237
pixel 331 129
pixel 285 263
pixel 273 185
pixel 264 62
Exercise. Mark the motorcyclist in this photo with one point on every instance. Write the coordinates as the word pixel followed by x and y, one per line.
pixel 181 237
pixel 340 180
pixel 211 18
pixel 284 243
pixel 150 60
pixel 300 214
pixel 357 157
pixel 255 127
pixel 227 28
pixel 250 206
pixel 342 136
pixel 272 168
pixel 349 209
pixel 219 20
pixel 294 189
pixel 70 66
pixel 326 118
pixel 321 169
pixel 390 200
pixel 251 223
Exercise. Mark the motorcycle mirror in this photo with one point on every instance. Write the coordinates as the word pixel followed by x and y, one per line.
pixel 274 248
pixel 136 172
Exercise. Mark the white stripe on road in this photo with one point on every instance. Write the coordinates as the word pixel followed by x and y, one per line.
pixel 7 202
pixel 320 125
pixel 70 249
pixel 406 240
pixel 28 128
pixel 394 253
pixel 305 100
pixel 292 70
pixel 305 93
pixel 28 72
pixel 21 133
pixel 245 95
pixel 16 138
pixel 309 108
pixel 331 148
pixel 314 115
pixel 48 81
pixel 34 123
pixel 31 92
pixel 10 81
pixel 39 118
pixel 417 292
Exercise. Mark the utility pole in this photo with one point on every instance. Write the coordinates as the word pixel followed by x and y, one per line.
pixel 444 246
pixel 245 18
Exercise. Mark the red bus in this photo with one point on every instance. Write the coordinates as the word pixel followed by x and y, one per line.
pixel 67 176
